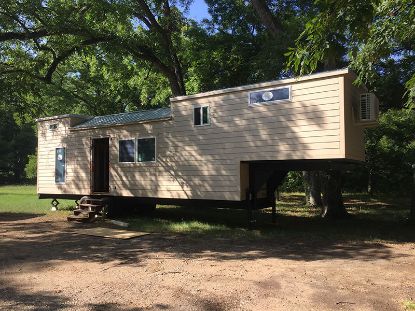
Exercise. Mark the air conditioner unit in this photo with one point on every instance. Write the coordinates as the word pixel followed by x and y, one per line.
pixel 368 110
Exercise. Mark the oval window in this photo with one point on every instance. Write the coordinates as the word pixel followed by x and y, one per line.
pixel 267 96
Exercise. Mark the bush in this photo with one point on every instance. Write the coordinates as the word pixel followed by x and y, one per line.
pixel 293 182
pixel 31 167
pixel 390 151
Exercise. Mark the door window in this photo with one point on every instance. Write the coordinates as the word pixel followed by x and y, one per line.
pixel 60 165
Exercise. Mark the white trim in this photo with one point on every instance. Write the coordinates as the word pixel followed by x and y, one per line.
pixel 201 106
pixel 289 99
pixel 135 149
pixel 155 149
pixel 65 166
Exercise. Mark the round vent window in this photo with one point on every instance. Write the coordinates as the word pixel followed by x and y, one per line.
pixel 267 95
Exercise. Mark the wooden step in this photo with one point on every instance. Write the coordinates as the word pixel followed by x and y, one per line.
pixel 90 205
pixel 82 216
pixel 79 218
pixel 84 212
pixel 98 201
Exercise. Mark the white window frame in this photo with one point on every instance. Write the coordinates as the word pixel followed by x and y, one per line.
pixel 66 163
pixel 135 150
pixel 271 101
pixel 201 115
pixel 155 149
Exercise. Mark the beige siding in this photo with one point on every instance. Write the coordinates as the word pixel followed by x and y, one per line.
pixel 205 162
pixel 353 132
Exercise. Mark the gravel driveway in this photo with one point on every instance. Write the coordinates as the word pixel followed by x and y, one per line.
pixel 46 265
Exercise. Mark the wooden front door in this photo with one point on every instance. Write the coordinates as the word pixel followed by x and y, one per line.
pixel 100 165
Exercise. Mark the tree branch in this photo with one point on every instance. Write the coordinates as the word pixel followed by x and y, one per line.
pixel 178 85
pixel 143 19
pixel 65 54
pixel 144 53
pixel 267 18
pixel 149 15
pixel 40 33
pixel 12 35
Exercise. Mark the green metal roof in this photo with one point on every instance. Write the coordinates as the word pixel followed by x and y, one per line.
pixel 126 118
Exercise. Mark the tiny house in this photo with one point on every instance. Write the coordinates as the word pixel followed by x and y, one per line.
pixel 227 147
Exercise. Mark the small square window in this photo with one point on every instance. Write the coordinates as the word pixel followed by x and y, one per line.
pixel 201 116
pixel 53 126
pixel 127 150
pixel 146 149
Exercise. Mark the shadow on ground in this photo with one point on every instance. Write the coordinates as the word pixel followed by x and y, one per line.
pixel 40 242
pixel 18 216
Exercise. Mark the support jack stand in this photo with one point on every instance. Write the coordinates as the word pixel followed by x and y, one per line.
pixel 54 204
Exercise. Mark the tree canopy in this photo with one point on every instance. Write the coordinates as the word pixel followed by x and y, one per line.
pixel 376 37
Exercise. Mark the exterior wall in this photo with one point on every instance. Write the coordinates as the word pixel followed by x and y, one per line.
pixel 77 165
pixel 353 132
pixel 205 162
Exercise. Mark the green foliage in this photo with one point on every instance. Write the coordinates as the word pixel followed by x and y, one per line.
pixel 233 48
pixel 90 57
pixel 31 167
pixel 390 150
pixel 369 32
pixel 16 142
pixel 294 182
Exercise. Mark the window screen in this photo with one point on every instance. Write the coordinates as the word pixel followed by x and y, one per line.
pixel 201 115
pixel 205 115
pixel 146 150
pixel 269 96
pixel 126 153
pixel 60 163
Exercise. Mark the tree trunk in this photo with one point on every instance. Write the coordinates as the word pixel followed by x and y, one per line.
pixel 267 18
pixel 333 206
pixel 176 88
pixel 315 189
pixel 312 182
pixel 306 179
pixel 412 214
pixel 369 183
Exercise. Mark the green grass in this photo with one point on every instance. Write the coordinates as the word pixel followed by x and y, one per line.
pixel 372 219
pixel 381 218
pixel 23 199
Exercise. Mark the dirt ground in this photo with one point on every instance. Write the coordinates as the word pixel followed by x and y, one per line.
pixel 46 265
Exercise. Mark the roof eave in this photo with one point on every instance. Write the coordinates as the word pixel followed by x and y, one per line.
pixel 63 116
pixel 118 124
